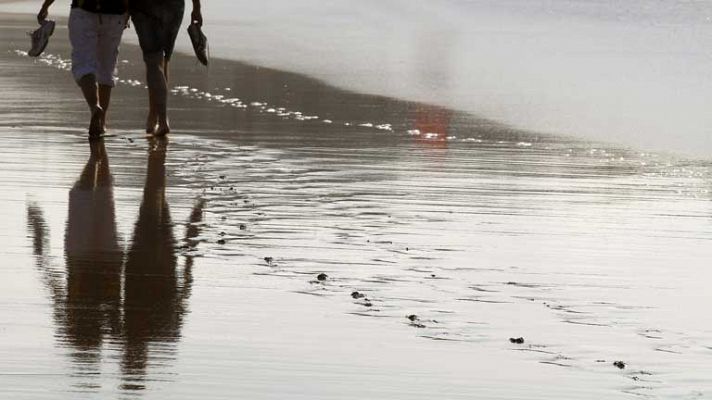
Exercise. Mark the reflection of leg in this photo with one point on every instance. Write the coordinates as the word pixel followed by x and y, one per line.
pixel 153 311
pixel 98 165
pixel 156 166
pixel 91 94
pixel 157 93
pixel 93 259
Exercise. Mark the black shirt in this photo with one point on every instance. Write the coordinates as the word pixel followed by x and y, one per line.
pixel 157 7
pixel 101 6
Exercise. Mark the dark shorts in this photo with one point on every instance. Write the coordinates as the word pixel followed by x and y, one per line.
pixel 157 30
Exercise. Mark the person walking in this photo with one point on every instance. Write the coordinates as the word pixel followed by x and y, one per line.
pixel 157 23
pixel 95 30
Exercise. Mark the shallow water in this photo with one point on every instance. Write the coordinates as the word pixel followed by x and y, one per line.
pixel 199 277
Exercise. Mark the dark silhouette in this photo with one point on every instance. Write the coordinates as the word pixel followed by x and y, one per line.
pixel 135 299
pixel 155 293
pixel 93 259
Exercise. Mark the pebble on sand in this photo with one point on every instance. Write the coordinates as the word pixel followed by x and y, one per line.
pixel 357 295
pixel 221 241
pixel 322 277
pixel 412 317
pixel 619 364
pixel 519 340
pixel 268 260
pixel 243 227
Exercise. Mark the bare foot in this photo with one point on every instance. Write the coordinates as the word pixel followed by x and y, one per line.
pixel 95 125
pixel 163 129
pixel 151 123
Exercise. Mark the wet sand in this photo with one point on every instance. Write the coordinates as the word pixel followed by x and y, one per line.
pixel 188 268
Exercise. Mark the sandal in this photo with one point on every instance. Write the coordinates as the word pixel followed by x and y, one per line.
pixel 199 41
pixel 40 38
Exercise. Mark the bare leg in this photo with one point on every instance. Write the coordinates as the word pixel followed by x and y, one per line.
pixel 104 100
pixel 152 118
pixel 90 91
pixel 165 69
pixel 163 127
pixel 156 67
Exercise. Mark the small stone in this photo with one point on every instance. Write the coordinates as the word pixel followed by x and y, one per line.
pixel 619 364
pixel 519 340
pixel 357 295
pixel 222 176
pixel 412 317
pixel 368 304
pixel 268 260
pixel 222 233
pixel 322 277
pixel 243 227
pixel 432 275
pixel 131 140
pixel 221 241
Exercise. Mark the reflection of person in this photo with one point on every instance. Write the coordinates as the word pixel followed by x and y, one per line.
pixel 95 29
pixel 93 255
pixel 87 297
pixel 157 23
pixel 154 293
pixel 91 307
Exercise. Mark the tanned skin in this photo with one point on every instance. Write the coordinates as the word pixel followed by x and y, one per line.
pixel 97 96
pixel 157 74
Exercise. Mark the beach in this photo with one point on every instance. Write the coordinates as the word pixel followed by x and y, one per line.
pixel 441 236
pixel 633 74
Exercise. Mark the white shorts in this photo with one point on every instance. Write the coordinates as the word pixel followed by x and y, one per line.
pixel 95 42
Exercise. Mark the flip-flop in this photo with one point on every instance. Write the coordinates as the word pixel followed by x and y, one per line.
pixel 199 41
pixel 40 38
